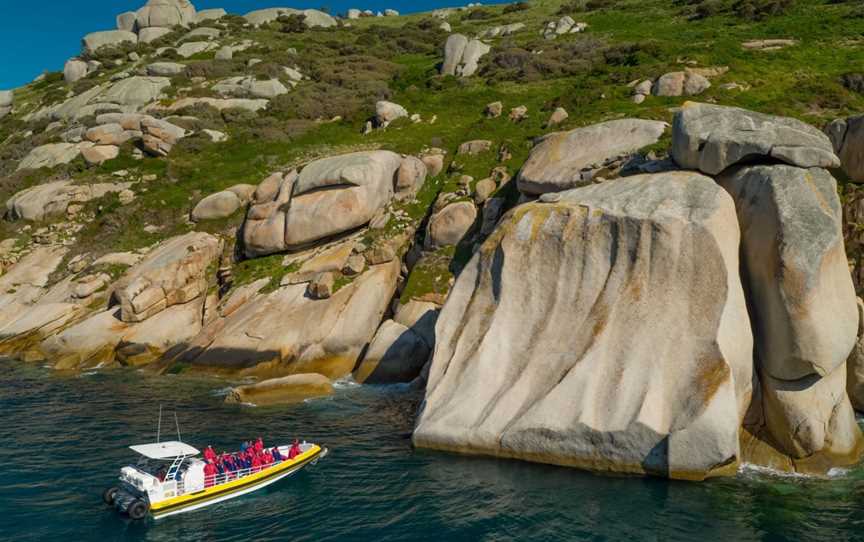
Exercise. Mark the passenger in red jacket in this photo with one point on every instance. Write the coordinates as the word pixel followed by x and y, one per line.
pixel 256 464
pixel 295 450
pixel 209 474
pixel 259 445
pixel 209 453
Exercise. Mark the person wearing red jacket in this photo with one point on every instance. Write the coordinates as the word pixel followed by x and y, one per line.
pixel 209 453
pixel 259 445
pixel 209 474
pixel 295 450
pixel 256 464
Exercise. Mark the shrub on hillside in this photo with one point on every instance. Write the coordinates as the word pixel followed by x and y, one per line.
pixel 579 6
pixel 757 10
pixel 513 63
pixel 517 6
pixel 83 85
pixel 272 129
pixel 853 82
pixel 479 15
pixel 387 42
pixel 751 10
pixel 293 24
pixel 215 69
pixel 324 101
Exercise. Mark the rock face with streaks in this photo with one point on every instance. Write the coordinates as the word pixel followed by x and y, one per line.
pixel 607 366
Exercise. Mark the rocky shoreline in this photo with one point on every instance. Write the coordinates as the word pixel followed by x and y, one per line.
pixel 635 297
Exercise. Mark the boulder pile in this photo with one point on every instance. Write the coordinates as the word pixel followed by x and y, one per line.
pixel 287 208
pixel 461 55
pixel 757 347
pixel 152 21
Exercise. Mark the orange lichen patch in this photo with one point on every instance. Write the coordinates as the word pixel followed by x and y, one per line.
pixel 74 362
pixel 712 374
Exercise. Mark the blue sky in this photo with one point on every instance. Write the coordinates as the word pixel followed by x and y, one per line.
pixel 40 37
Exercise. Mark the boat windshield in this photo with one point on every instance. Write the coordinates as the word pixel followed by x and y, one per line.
pixel 157 468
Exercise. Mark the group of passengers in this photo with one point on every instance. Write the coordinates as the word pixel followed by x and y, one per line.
pixel 252 457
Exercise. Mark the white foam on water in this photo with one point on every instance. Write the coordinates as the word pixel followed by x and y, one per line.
pixel 345 382
pixel 221 392
pixel 89 373
pixel 761 470
pixel 838 472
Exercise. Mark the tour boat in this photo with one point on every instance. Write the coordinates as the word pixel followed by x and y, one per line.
pixel 144 490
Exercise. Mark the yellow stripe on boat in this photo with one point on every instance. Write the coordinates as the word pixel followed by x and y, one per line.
pixel 234 485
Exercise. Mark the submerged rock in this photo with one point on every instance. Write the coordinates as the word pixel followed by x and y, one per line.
pixel 285 390
pixel 624 355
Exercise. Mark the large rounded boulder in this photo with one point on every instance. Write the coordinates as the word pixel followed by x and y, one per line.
pixel 328 197
pixel 587 332
pixel 165 14
pixel 564 160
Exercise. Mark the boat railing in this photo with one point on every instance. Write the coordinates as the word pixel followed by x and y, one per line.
pixel 218 479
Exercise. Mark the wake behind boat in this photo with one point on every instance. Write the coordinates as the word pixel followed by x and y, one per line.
pixel 170 478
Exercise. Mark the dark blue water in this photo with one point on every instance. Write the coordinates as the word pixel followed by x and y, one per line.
pixel 63 439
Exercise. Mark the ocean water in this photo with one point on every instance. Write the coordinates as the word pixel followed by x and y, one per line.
pixel 63 439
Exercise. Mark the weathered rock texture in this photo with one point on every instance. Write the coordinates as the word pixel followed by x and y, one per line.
pixel 586 332
pixel 711 138
pixel 173 273
pixel 855 365
pixel 802 306
pixel 847 136
pixel 461 55
pixel 328 197
pixel 560 160
pixel 286 332
pixel 285 390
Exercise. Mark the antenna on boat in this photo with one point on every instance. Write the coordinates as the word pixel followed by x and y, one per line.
pixel 178 427
pixel 159 425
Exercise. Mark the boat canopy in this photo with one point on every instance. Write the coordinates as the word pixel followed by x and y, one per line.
pixel 164 450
